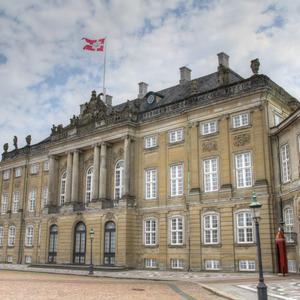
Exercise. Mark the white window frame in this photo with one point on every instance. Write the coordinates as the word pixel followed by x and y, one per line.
pixel 177 230
pixel 176 173
pixel 212 264
pixel 292 266
pixel 28 259
pixel 46 165
pixel 244 230
pixel 4 204
pixel 176 135
pixel 6 175
pixel 150 183
pixel 247 265
pixel 150 141
pixel 209 127
pixel 1 236
pixel 211 228
pixel 89 184
pixel 11 236
pixel 18 172
pixel 16 202
pixel 34 169
pixel 9 258
pixel 243 169
pixel 44 197
pixel 63 183
pixel 285 163
pixel 176 263
pixel 32 200
pixel 150 231
pixel 119 177
pixel 150 263
pixel 289 224
pixel 211 174
pixel 29 236
pixel 240 120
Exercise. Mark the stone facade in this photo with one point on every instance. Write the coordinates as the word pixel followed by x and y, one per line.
pixel 165 181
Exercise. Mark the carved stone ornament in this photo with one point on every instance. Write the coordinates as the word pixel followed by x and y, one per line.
pixel 15 141
pixel 209 146
pixel 28 140
pixel 194 86
pixel 109 216
pixel 118 155
pixel 89 161
pixel 53 220
pixel 241 140
pixel 5 147
pixel 17 184
pixel 255 66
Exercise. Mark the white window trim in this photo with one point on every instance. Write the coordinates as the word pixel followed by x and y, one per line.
pixel 16 202
pixel 209 124
pixel 32 200
pixel 34 169
pixel 1 236
pixel 210 213
pixel 29 236
pixel 89 180
pixel 285 163
pixel 45 196
pixel 4 204
pixel 244 168
pixel 6 175
pixel 170 231
pixel 152 184
pixel 11 236
pixel 63 186
pixel 248 262
pixel 288 227
pixel 292 266
pixel 178 135
pixel 215 264
pixel 240 116
pixel 177 181
pixel 236 231
pixel 18 172
pixel 210 175
pixel 150 263
pixel 176 263
pixel 152 139
pixel 46 165
pixel 121 179
pixel 153 243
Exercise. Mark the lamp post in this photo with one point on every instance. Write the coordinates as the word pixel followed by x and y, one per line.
pixel 91 263
pixel 261 288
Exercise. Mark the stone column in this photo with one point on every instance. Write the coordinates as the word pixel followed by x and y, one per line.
pixel 52 181
pixel 95 194
pixel 69 177
pixel 103 171
pixel 127 155
pixel 75 170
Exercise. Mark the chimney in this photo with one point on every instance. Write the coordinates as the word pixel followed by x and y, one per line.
pixel 142 90
pixel 223 60
pixel 108 100
pixel 185 75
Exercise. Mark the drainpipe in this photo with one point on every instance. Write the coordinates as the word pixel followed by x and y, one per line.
pixel 23 214
pixel 188 200
pixel 281 223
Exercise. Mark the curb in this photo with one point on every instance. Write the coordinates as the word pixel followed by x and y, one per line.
pixel 218 292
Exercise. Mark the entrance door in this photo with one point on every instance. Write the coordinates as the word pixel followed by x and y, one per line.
pixel 53 244
pixel 110 243
pixel 79 244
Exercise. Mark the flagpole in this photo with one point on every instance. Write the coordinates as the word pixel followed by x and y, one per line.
pixel 104 89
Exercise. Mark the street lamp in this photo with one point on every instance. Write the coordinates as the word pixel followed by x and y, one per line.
pixel 91 263
pixel 261 288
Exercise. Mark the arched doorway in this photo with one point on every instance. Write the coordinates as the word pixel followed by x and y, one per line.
pixel 110 243
pixel 53 244
pixel 79 244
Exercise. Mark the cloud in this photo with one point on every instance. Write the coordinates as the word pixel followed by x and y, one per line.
pixel 45 75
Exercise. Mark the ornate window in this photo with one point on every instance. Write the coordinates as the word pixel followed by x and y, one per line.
pixel 63 188
pixel 244 228
pixel 16 202
pixel 151 183
pixel 89 184
pixel 285 157
pixel 211 229
pixel 4 204
pixel 289 224
pixel 11 236
pixel 150 232
pixel 210 171
pixel 32 200
pixel 176 230
pixel 29 236
pixel 243 170
pixel 176 180
pixel 119 175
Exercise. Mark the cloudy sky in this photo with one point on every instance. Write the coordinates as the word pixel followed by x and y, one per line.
pixel 45 74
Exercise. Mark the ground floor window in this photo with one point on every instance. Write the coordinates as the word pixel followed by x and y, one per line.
pixel 177 263
pixel 9 258
pixel 53 244
pixel 247 265
pixel 292 266
pixel 79 244
pixel 28 259
pixel 150 263
pixel 110 243
pixel 211 264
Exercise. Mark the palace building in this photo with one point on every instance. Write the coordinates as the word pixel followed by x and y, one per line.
pixel 165 180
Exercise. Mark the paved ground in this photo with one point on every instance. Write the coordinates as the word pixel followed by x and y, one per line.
pixel 139 284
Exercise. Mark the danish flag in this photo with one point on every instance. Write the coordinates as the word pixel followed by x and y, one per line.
pixel 94 45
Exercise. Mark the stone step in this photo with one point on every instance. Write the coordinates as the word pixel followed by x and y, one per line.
pixel 80 267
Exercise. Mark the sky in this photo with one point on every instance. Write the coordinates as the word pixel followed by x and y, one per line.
pixel 45 74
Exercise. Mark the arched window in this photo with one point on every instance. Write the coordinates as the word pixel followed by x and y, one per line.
pixel 79 244
pixel 53 244
pixel 63 188
pixel 119 174
pixel 89 184
pixel 110 243
pixel 29 236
